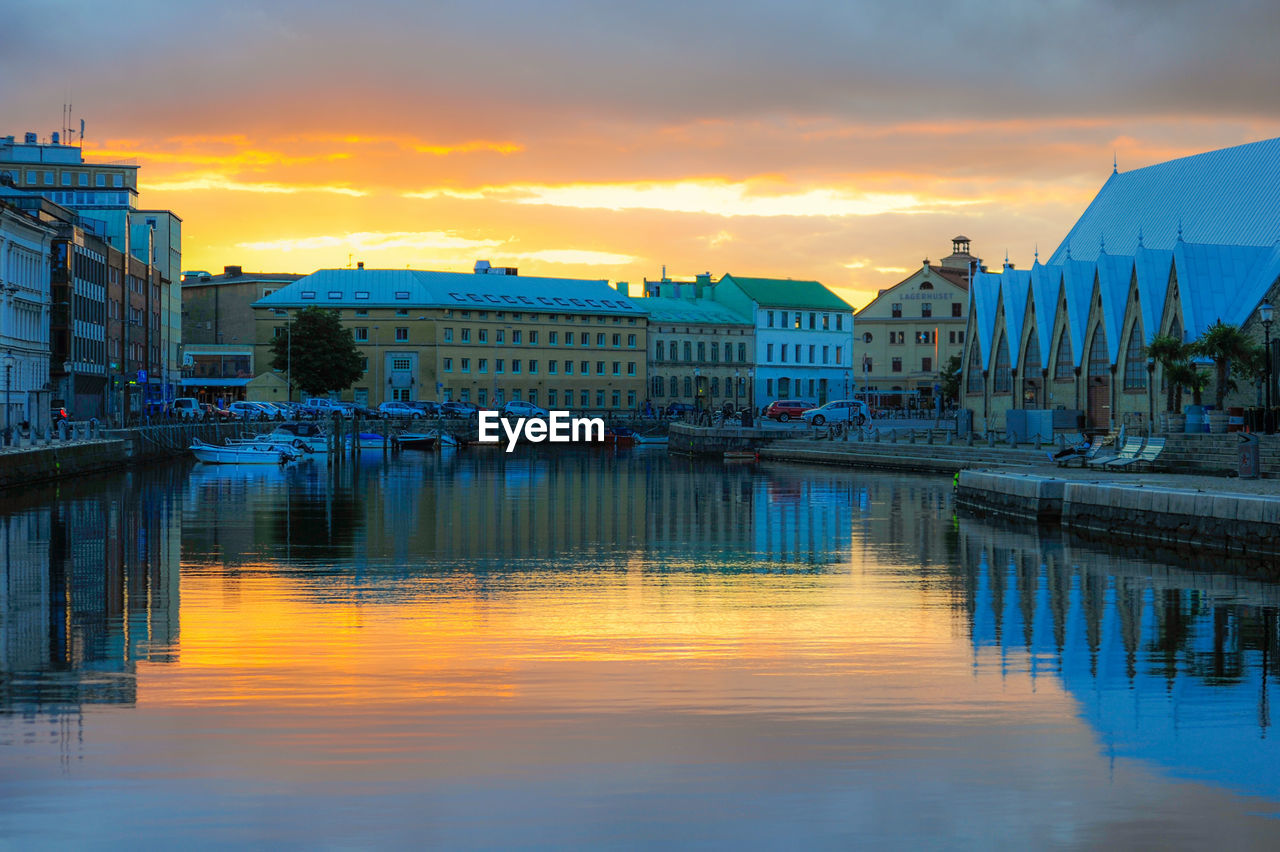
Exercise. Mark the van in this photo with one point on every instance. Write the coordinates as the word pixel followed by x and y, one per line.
pixel 187 408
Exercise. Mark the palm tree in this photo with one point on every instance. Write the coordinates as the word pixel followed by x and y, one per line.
pixel 1227 345
pixel 1168 352
pixel 1182 374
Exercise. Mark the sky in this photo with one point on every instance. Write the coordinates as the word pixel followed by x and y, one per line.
pixel 838 141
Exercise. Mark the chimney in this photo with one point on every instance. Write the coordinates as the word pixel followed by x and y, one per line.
pixel 624 288
pixel 359 264
pixel 232 271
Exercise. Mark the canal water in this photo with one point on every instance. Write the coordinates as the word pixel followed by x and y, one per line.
pixel 478 649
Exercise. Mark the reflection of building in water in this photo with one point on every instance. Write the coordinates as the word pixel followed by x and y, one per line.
pixel 1168 665
pixel 699 508
pixel 90 586
pixel 803 517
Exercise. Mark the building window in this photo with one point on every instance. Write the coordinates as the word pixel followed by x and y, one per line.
pixel 897 365
pixel 482 365
pixel 403 312
pixel 973 375
pixel 688 351
pixel 483 335
pixel 448 335
pixel 715 352
pixel 497 366
pixel 553 338
pixel 688 386
pixel 826 354
pixel 584 367
pixel 515 337
pixel 896 310
pixel 770 319
pixel 926 365
pixel 448 365
pixel 658 385
pixel 813 321
pixel 402 334
pixel 600 368
pixel 631 368
pixel 768 352
pixel 1003 380
pixel 533 338
pixel 657 352
pixel 466 365
pixel 702 351
pixel 631 341
pixel 515 365
pixel 617 340
pixel 551 366
pixel 1135 362
pixel 362 334
pixel 501 336
pixel 924 337
pixel 742 352
pixel 568 368
pixel 956 307
pixel 466 335
pixel 926 309
pixel 783 350
pixel 1065 366
pixel 674 384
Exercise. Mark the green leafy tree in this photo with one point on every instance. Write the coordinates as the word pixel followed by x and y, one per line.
pixel 318 353
pixel 1228 347
pixel 1184 375
pixel 949 378
pixel 1170 352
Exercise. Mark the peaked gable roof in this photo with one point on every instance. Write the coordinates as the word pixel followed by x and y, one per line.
pixel 1077 282
pixel 1225 196
pixel 985 290
pixel 1213 282
pixel 788 293
pixel 1014 287
pixel 1115 274
pixel 1046 284
pixel 1152 267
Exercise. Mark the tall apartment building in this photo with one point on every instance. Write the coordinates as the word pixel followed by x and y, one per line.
pixel 104 197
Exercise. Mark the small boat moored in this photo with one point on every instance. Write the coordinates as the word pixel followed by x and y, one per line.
pixel 255 452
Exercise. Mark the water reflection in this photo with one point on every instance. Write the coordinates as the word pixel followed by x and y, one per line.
pixel 1169 665
pixel 89 588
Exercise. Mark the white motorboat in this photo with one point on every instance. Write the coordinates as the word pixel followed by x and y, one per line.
pixel 253 452
pixel 428 440
pixel 656 440
pixel 308 437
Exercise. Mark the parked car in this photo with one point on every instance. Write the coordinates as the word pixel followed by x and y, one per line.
pixel 186 408
pixel 322 406
pixel 212 412
pixel 459 409
pixel 246 410
pixel 57 415
pixel 783 410
pixel 400 409
pixel 852 411
pixel 519 408
pixel 428 408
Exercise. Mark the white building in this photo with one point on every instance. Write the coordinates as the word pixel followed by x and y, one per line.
pixel 803 337
pixel 25 244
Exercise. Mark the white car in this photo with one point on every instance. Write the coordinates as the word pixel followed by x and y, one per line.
pixel 852 411
pixel 399 409
pixel 188 408
pixel 519 408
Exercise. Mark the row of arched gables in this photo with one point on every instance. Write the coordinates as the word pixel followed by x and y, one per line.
pixel 1074 334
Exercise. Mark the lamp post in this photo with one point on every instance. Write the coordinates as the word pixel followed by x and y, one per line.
pixel 1264 313
pixel 751 389
pixel 1151 399
pixel 69 398
pixel 737 379
pixel 288 356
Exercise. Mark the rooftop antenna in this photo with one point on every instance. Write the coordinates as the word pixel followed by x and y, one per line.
pixel 1115 163
pixel 1139 236
pixel 1179 229
pixel 349 256
pixel 1037 252
pixel 1102 244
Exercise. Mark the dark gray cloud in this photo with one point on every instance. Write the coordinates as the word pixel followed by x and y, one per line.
pixel 494 62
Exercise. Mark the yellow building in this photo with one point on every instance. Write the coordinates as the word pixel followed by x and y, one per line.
pixel 487 338
pixel 906 335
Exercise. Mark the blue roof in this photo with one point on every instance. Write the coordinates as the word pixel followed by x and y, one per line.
pixel 1014 287
pixel 1215 282
pixel 1115 274
pixel 412 288
pixel 985 288
pixel 1046 284
pixel 1152 267
pixel 1077 281
pixel 706 311
pixel 1226 197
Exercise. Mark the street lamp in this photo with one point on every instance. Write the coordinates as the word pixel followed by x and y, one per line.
pixel 1151 399
pixel 751 389
pixel 737 379
pixel 1264 313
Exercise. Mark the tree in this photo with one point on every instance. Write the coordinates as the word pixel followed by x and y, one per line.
pixel 949 378
pixel 318 353
pixel 1228 346
pixel 1184 375
pixel 1170 353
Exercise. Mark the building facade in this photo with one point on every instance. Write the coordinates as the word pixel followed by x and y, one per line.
pixel 700 351
pixel 803 337
pixel 104 197
pixel 1168 249
pixel 25 245
pixel 487 338
pixel 909 331
pixel 219 330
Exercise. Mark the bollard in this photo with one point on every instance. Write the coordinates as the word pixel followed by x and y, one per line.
pixel 950 438
pixel 991 439
pixel 62 430
pixel 969 439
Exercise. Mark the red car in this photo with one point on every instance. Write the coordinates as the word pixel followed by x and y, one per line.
pixel 787 409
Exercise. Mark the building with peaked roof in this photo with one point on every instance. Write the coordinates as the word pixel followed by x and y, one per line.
pixel 488 337
pixel 909 331
pixel 803 338
pixel 699 349
pixel 1168 249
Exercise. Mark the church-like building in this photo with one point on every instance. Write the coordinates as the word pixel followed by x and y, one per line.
pixel 1167 249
